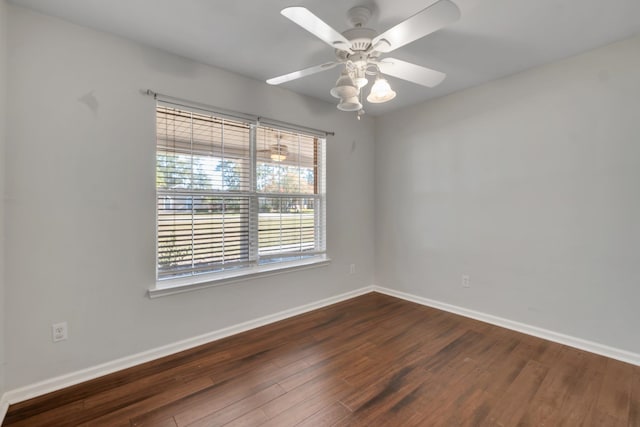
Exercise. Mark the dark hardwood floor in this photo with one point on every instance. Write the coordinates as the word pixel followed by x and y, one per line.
pixel 371 361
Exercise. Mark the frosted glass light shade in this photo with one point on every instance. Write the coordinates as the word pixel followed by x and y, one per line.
pixel 350 104
pixel 344 88
pixel 381 92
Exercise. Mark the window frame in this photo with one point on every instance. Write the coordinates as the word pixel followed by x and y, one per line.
pixel 252 268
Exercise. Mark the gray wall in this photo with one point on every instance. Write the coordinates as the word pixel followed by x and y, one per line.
pixel 81 209
pixel 530 185
pixel 3 99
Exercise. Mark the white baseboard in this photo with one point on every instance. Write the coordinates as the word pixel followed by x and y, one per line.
pixel 590 346
pixel 57 383
pixel 4 405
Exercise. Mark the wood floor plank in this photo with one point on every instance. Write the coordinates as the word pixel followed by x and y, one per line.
pixel 583 388
pixel 398 392
pixel 122 416
pixel 61 417
pixel 252 418
pixel 230 412
pixel 634 404
pixel 615 393
pixel 332 366
pixel 449 392
pixel 555 389
pixel 373 360
pixel 510 406
pixel 327 416
pixel 382 381
pixel 320 386
pixel 471 401
pixel 294 414
pixel 215 397
pixel 597 418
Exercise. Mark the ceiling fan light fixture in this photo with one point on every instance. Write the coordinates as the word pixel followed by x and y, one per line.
pixel 344 88
pixel 350 104
pixel 381 92
pixel 279 152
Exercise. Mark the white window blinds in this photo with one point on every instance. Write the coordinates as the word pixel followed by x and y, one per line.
pixel 232 194
pixel 290 193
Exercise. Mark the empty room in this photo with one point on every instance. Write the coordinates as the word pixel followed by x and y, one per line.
pixel 319 213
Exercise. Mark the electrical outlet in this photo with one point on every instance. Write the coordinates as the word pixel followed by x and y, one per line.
pixel 59 331
pixel 352 269
pixel 466 283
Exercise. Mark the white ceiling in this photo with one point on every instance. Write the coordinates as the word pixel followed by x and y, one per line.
pixel 492 39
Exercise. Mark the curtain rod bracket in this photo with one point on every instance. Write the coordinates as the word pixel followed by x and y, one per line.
pixel 149 92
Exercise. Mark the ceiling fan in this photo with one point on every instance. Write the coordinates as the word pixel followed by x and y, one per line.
pixel 360 49
pixel 277 151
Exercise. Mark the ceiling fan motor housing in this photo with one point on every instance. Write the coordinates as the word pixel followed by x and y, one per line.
pixel 360 38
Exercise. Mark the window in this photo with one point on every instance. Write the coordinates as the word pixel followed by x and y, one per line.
pixel 235 196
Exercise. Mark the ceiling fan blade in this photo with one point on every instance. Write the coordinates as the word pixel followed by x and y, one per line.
pixel 316 26
pixel 411 72
pixel 428 20
pixel 302 73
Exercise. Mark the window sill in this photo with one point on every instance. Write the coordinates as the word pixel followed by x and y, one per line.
pixel 192 283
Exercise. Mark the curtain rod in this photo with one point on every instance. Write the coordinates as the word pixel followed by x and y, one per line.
pixel 259 119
